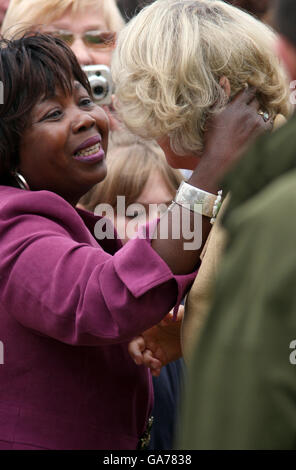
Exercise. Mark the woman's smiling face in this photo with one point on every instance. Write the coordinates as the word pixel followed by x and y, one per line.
pixel 63 150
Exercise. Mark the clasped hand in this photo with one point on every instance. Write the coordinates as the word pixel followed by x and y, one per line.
pixel 159 345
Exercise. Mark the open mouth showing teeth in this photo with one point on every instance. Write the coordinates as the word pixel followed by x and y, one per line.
pixel 88 151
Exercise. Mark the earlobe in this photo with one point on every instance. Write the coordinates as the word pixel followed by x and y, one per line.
pixel 225 84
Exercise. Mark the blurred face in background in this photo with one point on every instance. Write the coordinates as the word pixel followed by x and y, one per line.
pixel 3 7
pixel 87 34
pixel 154 192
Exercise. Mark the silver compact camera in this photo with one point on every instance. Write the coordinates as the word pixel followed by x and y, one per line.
pixel 100 79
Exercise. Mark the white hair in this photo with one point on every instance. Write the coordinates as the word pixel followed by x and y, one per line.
pixel 169 61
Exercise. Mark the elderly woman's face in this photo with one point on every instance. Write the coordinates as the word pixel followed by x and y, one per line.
pixel 85 34
pixel 63 149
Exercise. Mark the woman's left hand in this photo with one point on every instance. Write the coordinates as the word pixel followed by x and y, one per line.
pixel 159 345
pixel 228 134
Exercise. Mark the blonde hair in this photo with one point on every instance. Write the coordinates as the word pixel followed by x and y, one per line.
pixel 130 162
pixel 27 14
pixel 170 58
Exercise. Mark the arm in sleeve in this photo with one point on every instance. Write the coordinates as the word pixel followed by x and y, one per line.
pixel 77 293
pixel 242 388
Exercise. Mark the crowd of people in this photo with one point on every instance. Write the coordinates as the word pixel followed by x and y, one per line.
pixel 146 243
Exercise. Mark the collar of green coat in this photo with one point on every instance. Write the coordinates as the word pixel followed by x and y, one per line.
pixel 270 157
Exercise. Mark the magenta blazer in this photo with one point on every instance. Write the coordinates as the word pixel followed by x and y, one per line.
pixel 68 307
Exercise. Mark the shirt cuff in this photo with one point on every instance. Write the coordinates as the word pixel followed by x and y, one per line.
pixel 141 268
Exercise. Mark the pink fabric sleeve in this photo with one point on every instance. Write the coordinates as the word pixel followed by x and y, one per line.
pixel 57 280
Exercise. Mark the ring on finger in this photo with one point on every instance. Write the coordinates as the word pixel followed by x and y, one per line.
pixel 265 115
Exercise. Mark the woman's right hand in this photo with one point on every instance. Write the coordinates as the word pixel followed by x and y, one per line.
pixel 227 136
pixel 160 344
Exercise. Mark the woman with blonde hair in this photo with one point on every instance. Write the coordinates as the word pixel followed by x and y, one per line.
pixel 179 62
pixel 172 83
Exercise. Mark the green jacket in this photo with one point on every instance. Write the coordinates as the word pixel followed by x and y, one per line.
pixel 241 389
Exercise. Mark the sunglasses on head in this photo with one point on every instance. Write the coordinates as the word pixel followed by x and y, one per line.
pixel 95 39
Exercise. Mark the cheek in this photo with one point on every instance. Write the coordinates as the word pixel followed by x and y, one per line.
pixel 103 123
pixel 174 161
pixel 41 149
pixel 28 152
pixel 101 57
